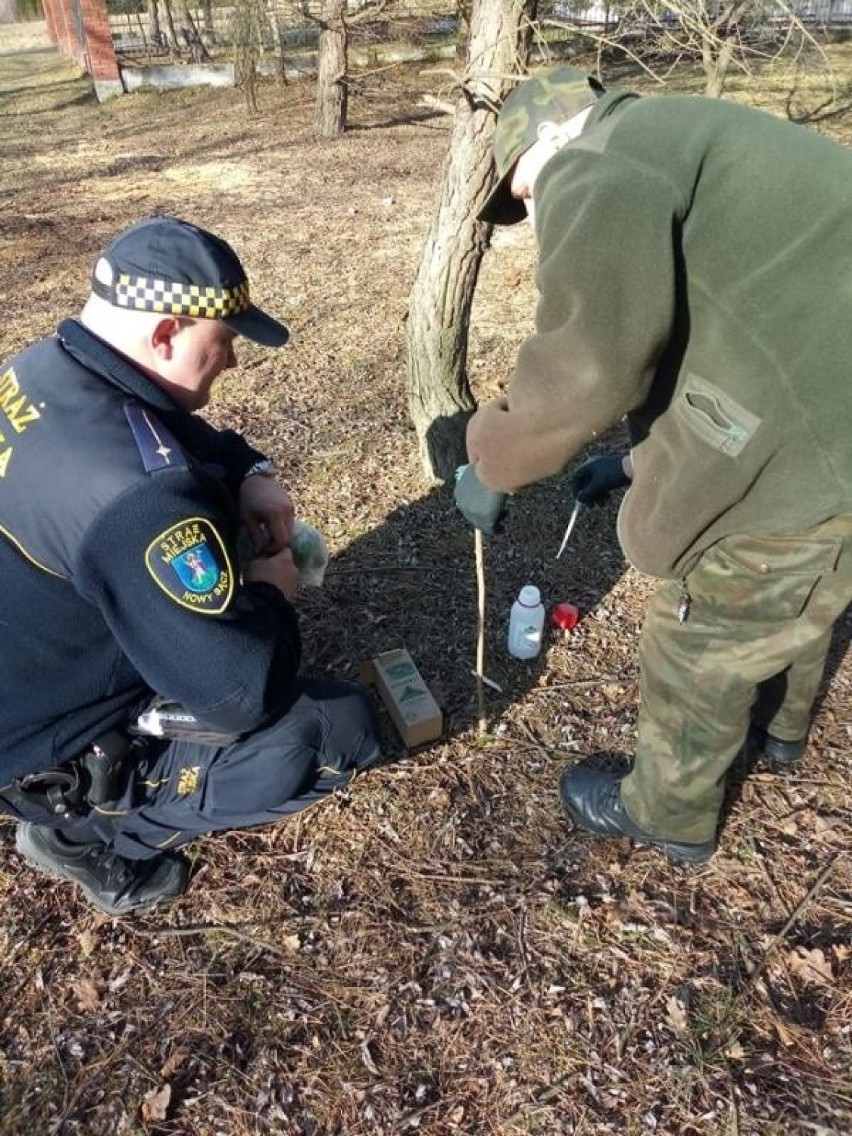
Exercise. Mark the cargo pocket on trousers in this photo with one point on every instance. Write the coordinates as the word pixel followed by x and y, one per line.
pixel 764 578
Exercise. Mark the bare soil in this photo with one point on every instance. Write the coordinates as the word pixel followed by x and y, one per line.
pixel 434 951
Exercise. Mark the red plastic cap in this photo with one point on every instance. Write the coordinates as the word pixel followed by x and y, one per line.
pixel 565 616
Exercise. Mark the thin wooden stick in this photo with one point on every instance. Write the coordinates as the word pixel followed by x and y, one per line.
pixel 214 929
pixel 800 906
pixel 480 630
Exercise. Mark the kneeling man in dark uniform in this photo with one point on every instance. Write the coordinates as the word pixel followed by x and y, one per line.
pixel 150 677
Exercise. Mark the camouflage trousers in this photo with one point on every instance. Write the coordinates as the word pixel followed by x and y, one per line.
pixel 752 649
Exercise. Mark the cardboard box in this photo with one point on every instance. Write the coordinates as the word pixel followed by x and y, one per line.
pixel 415 712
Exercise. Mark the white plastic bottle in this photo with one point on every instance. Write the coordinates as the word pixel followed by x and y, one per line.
pixel 526 623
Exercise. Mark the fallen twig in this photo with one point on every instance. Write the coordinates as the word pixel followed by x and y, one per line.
pixel 755 971
pixel 214 928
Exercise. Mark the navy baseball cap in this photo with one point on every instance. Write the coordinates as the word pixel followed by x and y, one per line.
pixel 167 265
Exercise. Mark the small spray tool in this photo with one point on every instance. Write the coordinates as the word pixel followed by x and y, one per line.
pixel 575 512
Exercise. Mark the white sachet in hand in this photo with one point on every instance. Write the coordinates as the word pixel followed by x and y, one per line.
pixel 310 554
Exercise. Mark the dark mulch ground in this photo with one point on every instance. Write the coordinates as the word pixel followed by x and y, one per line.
pixel 434 951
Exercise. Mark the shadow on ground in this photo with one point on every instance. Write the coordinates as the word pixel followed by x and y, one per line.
pixel 411 582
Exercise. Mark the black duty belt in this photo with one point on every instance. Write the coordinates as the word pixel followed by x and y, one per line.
pixel 55 791
pixel 91 779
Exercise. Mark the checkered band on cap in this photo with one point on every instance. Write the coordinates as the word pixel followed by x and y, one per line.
pixel 196 300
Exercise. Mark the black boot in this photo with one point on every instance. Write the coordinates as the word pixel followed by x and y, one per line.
pixel 780 756
pixel 593 800
pixel 113 884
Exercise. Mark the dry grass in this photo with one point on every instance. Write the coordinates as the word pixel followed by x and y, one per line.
pixel 434 951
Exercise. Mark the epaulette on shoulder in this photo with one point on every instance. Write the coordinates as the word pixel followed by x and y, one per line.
pixel 158 447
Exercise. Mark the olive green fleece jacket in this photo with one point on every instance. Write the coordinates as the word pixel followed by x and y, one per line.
pixel 695 274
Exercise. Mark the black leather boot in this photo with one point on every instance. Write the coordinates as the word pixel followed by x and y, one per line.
pixel 780 756
pixel 593 800
pixel 110 882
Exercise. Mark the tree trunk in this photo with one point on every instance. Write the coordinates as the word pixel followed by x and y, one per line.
pixel 332 92
pixel 462 29
pixel 155 36
pixel 207 20
pixel 170 33
pixel 198 53
pixel 276 32
pixel 716 62
pixel 439 396
pixel 245 29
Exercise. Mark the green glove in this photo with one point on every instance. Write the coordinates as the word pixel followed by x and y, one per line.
pixel 483 508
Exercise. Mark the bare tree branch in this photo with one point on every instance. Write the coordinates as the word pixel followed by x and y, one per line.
pixel 656 35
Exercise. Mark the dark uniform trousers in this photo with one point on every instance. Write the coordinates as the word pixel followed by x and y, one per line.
pixel 752 649
pixel 175 791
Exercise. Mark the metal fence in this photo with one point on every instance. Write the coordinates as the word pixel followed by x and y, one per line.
pixel 286 26
pixel 278 24
pixel 822 13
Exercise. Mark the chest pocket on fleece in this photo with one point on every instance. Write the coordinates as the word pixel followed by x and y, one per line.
pixel 715 417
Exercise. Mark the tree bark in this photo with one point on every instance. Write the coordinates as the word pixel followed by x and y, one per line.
pixel 207 19
pixel 332 92
pixel 439 396
pixel 170 33
pixel 716 61
pixel 155 35
pixel 198 53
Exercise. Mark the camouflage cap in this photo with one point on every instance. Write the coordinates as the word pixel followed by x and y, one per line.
pixel 554 96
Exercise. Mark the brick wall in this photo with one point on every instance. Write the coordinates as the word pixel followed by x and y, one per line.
pixel 81 30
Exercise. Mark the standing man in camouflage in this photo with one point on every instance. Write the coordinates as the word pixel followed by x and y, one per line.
pixel 694 277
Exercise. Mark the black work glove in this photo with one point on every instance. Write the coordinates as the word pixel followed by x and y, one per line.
pixel 483 508
pixel 596 478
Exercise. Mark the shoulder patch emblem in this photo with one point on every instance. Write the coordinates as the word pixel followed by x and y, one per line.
pixel 190 563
